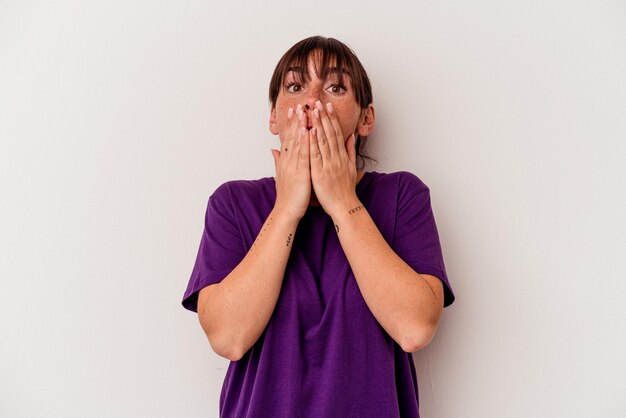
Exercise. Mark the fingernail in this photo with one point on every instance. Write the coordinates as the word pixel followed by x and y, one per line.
pixel 329 106
pixel 319 105
pixel 289 113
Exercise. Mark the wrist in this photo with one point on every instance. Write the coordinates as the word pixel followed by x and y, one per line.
pixel 282 214
pixel 347 208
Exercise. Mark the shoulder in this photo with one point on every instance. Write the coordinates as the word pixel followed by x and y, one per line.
pixel 234 190
pixel 404 182
pixel 245 199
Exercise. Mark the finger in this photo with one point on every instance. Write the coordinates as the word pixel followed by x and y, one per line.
pixel 303 160
pixel 341 141
pixel 351 149
pixel 284 137
pixel 315 155
pixel 329 130
pixel 320 136
pixel 297 137
pixel 294 134
pixel 297 147
pixel 288 133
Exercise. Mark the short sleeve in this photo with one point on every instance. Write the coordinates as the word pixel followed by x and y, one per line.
pixel 416 239
pixel 221 247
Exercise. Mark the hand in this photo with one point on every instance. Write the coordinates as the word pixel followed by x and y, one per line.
pixel 293 174
pixel 333 161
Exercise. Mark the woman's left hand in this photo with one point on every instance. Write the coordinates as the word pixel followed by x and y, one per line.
pixel 333 161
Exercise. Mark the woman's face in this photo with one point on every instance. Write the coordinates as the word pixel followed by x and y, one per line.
pixel 349 114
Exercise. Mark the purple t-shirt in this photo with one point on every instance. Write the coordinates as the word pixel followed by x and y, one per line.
pixel 323 353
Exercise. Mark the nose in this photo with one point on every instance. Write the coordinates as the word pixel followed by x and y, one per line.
pixel 309 105
pixel 315 93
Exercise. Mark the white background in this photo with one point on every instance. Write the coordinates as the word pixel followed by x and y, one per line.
pixel 118 119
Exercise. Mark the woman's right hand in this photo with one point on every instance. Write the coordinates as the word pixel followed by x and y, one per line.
pixel 293 173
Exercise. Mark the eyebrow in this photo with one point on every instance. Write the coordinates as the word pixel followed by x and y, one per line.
pixel 331 70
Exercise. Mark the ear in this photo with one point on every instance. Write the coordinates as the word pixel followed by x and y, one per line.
pixel 273 124
pixel 366 121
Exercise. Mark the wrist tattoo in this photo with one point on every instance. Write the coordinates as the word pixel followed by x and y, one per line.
pixel 356 209
pixel 268 222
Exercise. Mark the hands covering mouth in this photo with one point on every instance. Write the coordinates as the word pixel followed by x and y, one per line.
pixel 320 160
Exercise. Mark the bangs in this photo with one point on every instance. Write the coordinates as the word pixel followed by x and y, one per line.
pixel 325 64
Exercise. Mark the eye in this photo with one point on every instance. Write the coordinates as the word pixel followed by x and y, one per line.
pixel 338 86
pixel 293 84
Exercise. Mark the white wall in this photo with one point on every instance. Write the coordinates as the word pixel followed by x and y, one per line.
pixel 118 119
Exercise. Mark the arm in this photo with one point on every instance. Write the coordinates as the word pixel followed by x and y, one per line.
pixel 234 313
pixel 406 304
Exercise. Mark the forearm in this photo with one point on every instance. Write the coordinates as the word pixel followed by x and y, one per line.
pixel 244 301
pixel 398 297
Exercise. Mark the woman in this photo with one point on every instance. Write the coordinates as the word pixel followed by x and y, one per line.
pixel 319 282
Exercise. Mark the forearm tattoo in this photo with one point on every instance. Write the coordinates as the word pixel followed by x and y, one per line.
pixel 351 211
pixel 265 226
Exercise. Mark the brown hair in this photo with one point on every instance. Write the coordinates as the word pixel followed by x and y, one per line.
pixel 331 50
